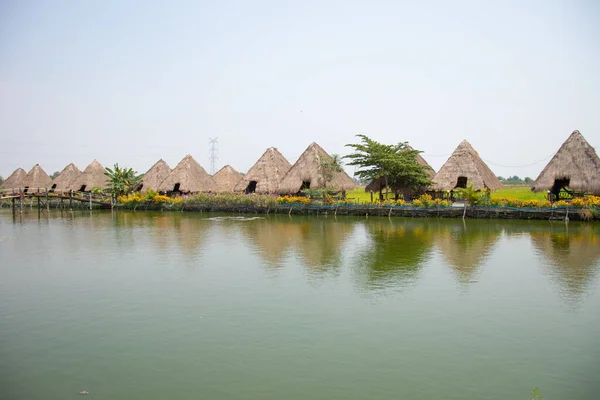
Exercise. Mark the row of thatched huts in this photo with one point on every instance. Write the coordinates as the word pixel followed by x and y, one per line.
pixel 271 174
pixel 575 166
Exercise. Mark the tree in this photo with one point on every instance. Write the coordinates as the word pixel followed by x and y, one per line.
pixel 396 164
pixel 54 174
pixel 527 180
pixel 122 180
pixel 1 180
pixel 329 167
pixel 501 178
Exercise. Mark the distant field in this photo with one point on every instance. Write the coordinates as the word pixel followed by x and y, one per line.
pixel 514 192
pixel 518 192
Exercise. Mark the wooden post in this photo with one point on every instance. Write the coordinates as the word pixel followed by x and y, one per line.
pixel 71 199
pixel 21 200
pixel 47 201
pixel 90 200
pixel 39 201
pixel 14 209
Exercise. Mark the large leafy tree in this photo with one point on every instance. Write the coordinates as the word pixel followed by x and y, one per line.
pixel 1 180
pixel 122 180
pixel 396 164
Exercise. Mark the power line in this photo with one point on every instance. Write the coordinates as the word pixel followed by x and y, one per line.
pixel 212 154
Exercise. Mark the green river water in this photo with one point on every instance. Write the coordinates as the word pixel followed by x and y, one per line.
pixel 152 306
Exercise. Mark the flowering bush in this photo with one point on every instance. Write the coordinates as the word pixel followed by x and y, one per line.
pixel 293 200
pixel 441 203
pixel 424 200
pixel 593 201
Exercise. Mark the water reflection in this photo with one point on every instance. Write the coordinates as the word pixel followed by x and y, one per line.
pixel 572 253
pixel 396 251
pixel 317 241
pixel 465 245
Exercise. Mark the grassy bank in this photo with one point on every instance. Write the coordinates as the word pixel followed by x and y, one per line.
pixel 508 192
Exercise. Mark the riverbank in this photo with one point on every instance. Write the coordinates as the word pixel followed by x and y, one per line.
pixel 559 213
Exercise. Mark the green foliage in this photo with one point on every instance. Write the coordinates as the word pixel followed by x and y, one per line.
pixel 329 167
pixel 122 180
pixel 96 190
pixel 397 164
pixel 472 197
pixel 54 174
pixel 257 200
pixel 518 192
pixel 1 180
pixel 536 395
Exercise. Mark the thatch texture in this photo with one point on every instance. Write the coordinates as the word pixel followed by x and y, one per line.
pixel 307 170
pixel 227 178
pixel 465 163
pixel 91 177
pixel 379 184
pixel 65 178
pixel 36 178
pixel 155 176
pixel 15 179
pixel 188 177
pixel 267 172
pixel 575 161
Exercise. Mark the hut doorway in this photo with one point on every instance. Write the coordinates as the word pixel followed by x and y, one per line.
pixel 561 186
pixel 305 185
pixel 82 188
pixel 251 188
pixel 25 189
pixel 461 182
pixel 52 188
pixel 176 187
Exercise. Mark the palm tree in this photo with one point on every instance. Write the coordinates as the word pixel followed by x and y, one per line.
pixel 122 180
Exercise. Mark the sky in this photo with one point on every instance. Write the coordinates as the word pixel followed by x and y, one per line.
pixel 134 81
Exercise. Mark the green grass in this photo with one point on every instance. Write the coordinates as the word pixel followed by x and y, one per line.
pixel 518 192
pixel 508 192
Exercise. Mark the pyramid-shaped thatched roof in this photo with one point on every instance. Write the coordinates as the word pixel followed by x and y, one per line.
pixel 465 162
pixel 15 179
pixel 91 177
pixel 267 172
pixel 155 176
pixel 190 176
pixel 66 177
pixel 227 178
pixel 307 169
pixel 576 161
pixel 379 183
pixel 36 178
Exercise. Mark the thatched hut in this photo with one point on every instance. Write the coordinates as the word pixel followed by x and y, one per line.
pixel 377 185
pixel 465 167
pixel 91 177
pixel 15 179
pixel 188 177
pixel 36 178
pixel 65 178
pixel 155 176
pixel 575 166
pixel 266 174
pixel 306 173
pixel 227 178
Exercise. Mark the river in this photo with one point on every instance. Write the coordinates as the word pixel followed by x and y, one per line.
pixel 143 305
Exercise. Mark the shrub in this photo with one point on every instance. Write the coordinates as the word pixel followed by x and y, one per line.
pixel 593 201
pixel 578 202
pixel 560 203
pixel 425 200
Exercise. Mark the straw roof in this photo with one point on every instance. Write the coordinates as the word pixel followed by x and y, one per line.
pixel 227 178
pixel 92 176
pixel 307 169
pixel 65 178
pixel 190 176
pixel 155 176
pixel 576 161
pixel 267 172
pixel 15 179
pixel 36 178
pixel 465 162
pixel 378 184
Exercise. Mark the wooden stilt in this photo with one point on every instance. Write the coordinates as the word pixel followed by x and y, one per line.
pixel 47 201
pixel 90 200
pixel 71 199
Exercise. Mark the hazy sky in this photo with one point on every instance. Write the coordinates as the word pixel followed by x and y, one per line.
pixel 135 81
